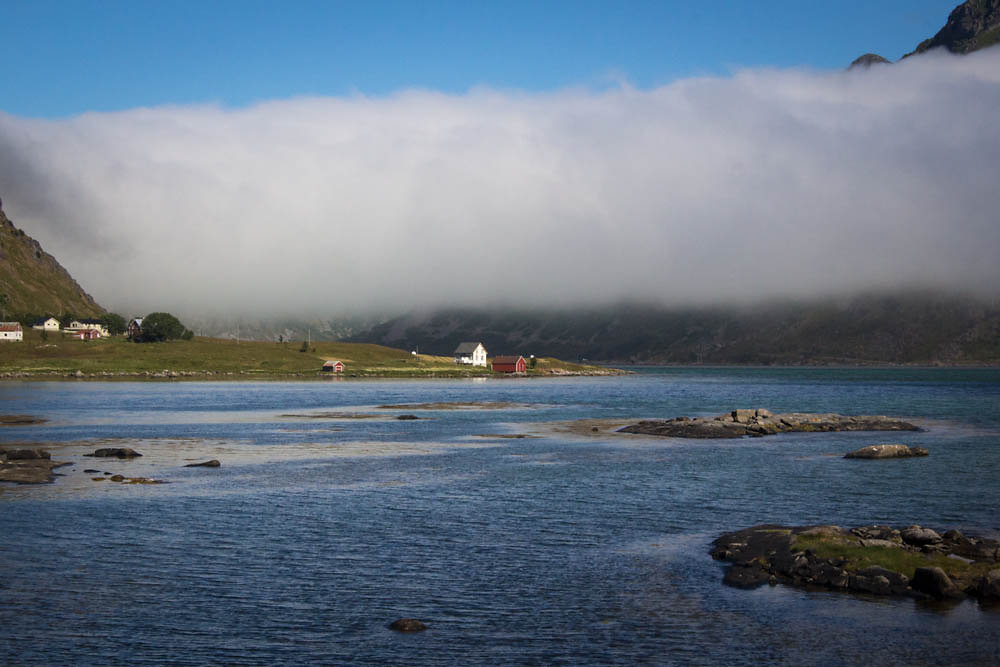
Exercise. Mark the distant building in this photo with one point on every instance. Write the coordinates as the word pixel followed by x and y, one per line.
pixel 46 324
pixel 88 325
pixel 509 364
pixel 85 334
pixel 135 327
pixel 333 366
pixel 472 354
pixel 11 331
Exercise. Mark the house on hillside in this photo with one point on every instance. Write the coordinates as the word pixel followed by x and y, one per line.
pixel 11 331
pixel 509 364
pixel 134 328
pixel 46 324
pixel 472 354
pixel 88 325
pixel 333 366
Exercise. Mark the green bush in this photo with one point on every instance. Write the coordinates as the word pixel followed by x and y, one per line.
pixel 159 327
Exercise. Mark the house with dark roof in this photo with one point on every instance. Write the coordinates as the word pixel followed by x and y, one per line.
pixel 471 354
pixel 46 324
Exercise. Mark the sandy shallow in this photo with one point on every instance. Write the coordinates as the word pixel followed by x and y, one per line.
pixel 165 459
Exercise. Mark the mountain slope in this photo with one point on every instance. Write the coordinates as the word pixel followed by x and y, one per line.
pixel 897 328
pixel 973 25
pixel 33 281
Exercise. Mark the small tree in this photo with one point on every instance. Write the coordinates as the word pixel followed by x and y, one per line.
pixel 159 327
pixel 305 347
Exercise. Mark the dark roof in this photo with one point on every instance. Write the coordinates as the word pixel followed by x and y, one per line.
pixel 507 359
pixel 467 348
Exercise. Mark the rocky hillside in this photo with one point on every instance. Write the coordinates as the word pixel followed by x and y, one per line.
pixel 32 281
pixel 973 25
pixel 874 329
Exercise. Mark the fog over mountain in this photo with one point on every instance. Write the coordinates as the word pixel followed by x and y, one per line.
pixel 766 183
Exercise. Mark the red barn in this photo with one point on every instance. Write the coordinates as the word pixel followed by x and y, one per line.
pixel 334 366
pixel 509 364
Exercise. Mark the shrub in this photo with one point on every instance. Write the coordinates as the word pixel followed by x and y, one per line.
pixel 158 327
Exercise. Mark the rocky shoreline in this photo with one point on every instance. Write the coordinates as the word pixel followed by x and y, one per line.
pixel 913 562
pixel 760 422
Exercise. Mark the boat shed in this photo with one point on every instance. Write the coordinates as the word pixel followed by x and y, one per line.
pixel 509 364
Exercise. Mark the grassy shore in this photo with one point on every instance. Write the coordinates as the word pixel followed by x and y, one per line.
pixel 60 356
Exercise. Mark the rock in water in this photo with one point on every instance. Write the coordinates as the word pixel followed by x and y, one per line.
pixel 24 454
pixel 407 625
pixel 989 586
pixel 214 463
pixel 115 452
pixel 934 582
pixel 886 451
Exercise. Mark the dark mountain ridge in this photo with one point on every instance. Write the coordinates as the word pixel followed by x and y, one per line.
pixel 901 328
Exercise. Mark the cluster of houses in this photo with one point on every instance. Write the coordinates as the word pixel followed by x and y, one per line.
pixel 474 354
pixel 470 354
pixel 86 329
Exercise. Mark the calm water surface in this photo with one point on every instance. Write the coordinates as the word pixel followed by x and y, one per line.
pixel 557 549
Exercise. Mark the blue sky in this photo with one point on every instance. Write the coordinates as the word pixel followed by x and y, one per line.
pixel 69 57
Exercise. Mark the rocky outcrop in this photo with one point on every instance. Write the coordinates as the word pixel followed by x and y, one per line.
pixel 869 59
pixel 28 466
pixel 886 451
pixel 973 25
pixel 760 422
pixel 115 452
pixel 876 560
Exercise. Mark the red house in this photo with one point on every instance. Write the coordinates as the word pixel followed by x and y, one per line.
pixel 509 364
pixel 333 366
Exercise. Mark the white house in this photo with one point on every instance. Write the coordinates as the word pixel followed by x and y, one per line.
pixel 11 331
pixel 51 324
pixel 473 354
pixel 85 325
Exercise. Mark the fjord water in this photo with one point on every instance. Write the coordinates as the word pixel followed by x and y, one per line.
pixel 557 549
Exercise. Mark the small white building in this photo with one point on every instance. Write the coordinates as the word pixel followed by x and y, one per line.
pixel 50 324
pixel 77 326
pixel 472 354
pixel 11 331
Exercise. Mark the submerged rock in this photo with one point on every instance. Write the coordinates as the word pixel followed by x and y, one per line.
pixel 408 625
pixel 214 463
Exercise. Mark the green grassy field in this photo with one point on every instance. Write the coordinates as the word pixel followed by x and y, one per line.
pixel 59 356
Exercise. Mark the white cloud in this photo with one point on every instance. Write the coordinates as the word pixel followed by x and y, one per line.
pixel 765 183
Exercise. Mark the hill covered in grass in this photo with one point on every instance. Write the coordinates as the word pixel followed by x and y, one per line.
pixel 212 358
pixel 32 281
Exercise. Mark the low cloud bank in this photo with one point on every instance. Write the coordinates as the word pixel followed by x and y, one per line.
pixel 767 183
